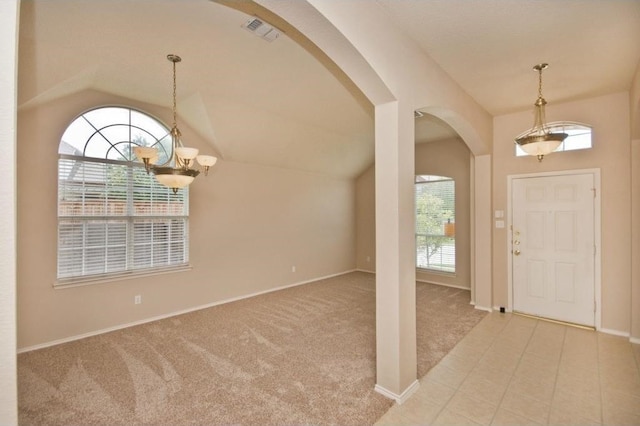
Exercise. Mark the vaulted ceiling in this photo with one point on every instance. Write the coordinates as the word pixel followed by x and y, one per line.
pixel 273 103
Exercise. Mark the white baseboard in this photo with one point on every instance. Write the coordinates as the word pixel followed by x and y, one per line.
pixel 444 284
pixel 635 340
pixel 424 281
pixel 616 332
pixel 172 314
pixel 483 308
pixel 403 397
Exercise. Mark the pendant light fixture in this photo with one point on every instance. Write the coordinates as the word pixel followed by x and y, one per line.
pixel 177 173
pixel 540 141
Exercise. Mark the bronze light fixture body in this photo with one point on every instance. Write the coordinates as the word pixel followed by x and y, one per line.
pixel 540 141
pixel 178 172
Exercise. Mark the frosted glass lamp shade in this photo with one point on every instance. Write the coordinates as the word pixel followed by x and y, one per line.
pixel 542 147
pixel 175 178
pixel 206 160
pixel 145 152
pixel 174 181
pixel 186 153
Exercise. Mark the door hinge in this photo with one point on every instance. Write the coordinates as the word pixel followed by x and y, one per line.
pixel 594 192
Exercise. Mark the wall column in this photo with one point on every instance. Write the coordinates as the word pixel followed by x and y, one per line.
pixel 483 227
pixel 635 241
pixel 9 10
pixel 395 251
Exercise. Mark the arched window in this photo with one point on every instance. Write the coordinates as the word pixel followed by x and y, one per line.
pixel 435 223
pixel 113 218
pixel 579 136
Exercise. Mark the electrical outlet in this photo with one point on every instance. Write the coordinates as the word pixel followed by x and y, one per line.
pixel 137 299
pixel 293 269
pixel 368 258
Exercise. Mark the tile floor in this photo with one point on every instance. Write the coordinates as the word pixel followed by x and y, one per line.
pixel 513 370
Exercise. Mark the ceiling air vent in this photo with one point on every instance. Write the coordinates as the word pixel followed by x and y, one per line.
pixel 261 29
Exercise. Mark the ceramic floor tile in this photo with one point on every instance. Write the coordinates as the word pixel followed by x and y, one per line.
pixel 540 388
pixel 550 329
pixel 560 417
pixel 514 370
pixel 493 374
pixel 615 400
pixel 449 418
pixel 435 392
pixel 533 366
pixel 472 407
pixel 507 418
pixel 570 378
pixel 580 360
pixel 483 389
pixel 526 406
pixel 470 349
pixel 636 353
pixel 508 346
pixel 419 411
pixel 446 376
pixel 504 360
pixel 462 364
pixel 394 418
pixel 626 383
pixel 578 403
pixel 524 321
pixel 580 348
pixel 615 416
pixel 545 348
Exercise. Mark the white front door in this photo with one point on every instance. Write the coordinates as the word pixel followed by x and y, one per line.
pixel 553 247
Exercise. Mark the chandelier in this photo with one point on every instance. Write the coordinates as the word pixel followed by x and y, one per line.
pixel 540 141
pixel 177 173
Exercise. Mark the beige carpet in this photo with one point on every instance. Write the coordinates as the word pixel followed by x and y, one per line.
pixel 304 355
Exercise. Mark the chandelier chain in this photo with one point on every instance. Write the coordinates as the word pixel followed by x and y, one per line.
pixel 539 82
pixel 175 121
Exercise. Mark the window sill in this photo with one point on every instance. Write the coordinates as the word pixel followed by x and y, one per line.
pixel 435 272
pixel 107 278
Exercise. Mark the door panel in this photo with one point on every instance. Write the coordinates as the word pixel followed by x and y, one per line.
pixel 553 247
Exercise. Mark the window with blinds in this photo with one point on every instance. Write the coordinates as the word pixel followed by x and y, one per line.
pixel 435 223
pixel 114 218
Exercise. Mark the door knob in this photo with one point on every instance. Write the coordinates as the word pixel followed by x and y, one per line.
pixel 516 252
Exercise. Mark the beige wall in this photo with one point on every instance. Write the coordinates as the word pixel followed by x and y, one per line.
pixel 445 158
pixel 248 226
pixel 366 221
pixel 9 11
pixel 635 245
pixel 611 153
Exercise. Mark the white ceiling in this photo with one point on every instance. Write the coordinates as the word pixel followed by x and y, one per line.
pixel 490 46
pixel 274 104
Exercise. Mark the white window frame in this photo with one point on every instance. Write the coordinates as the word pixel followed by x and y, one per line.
pixel 115 221
pixel 445 234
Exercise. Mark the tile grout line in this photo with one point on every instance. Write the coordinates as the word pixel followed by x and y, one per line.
pixel 513 374
pixel 444 406
pixel 600 379
pixel 555 381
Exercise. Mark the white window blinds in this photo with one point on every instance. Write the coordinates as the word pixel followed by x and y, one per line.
pixel 435 223
pixel 114 218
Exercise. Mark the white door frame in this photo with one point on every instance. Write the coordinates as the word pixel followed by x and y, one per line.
pixel 597 237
